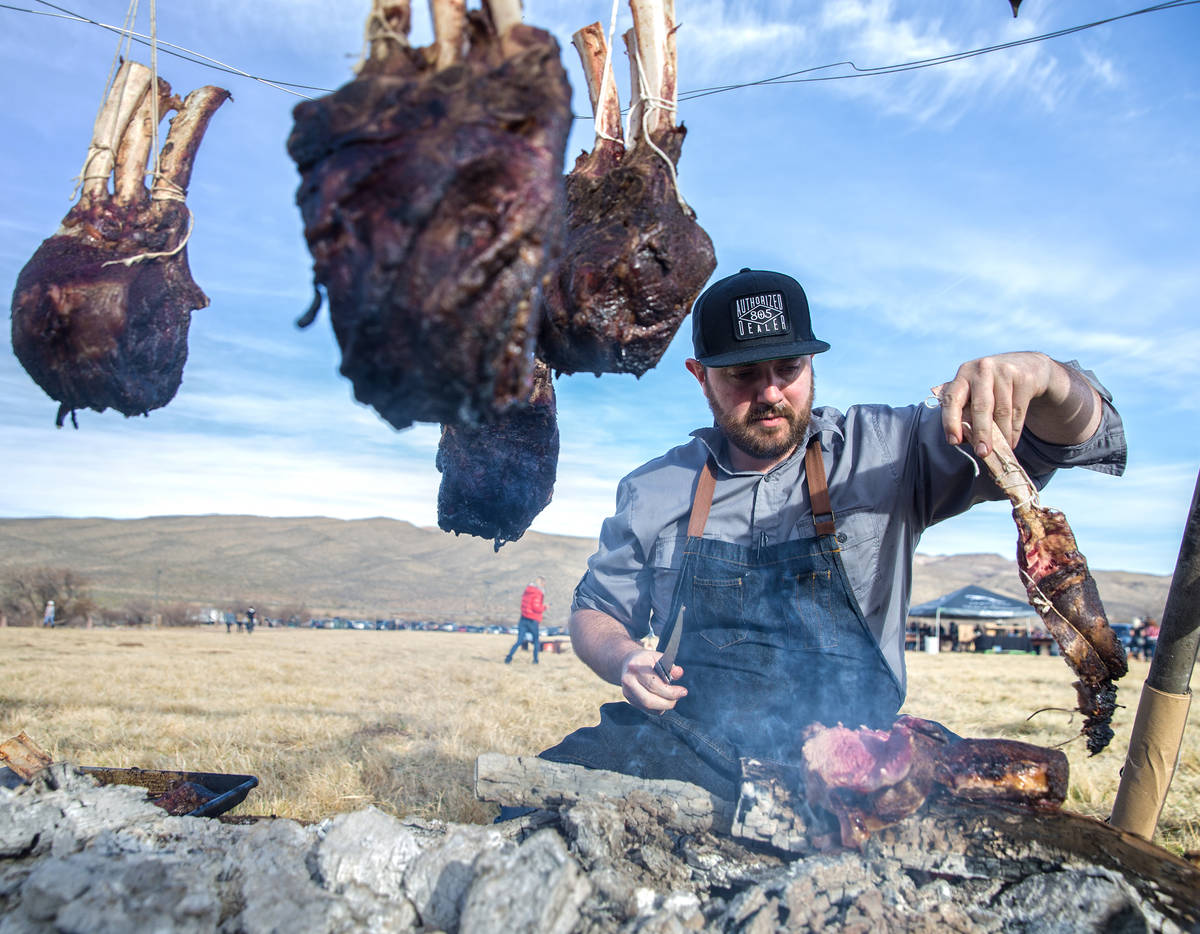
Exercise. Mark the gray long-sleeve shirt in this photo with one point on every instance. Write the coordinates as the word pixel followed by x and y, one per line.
pixel 891 476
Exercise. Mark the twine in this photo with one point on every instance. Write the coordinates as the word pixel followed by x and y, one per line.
pixel 668 106
pixel 604 79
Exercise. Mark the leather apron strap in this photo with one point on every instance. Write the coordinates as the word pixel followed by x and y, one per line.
pixel 818 488
pixel 702 500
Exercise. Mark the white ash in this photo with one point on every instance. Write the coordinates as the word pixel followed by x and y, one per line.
pixel 75 856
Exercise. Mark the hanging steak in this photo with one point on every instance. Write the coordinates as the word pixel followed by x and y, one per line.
pixel 1063 591
pixel 100 313
pixel 432 201
pixel 870 779
pixel 635 259
pixel 497 477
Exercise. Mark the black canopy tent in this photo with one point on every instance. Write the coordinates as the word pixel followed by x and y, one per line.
pixel 976 604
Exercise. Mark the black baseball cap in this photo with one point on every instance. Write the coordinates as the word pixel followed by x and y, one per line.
pixel 752 316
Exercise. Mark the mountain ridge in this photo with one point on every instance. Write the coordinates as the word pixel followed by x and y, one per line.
pixel 379 567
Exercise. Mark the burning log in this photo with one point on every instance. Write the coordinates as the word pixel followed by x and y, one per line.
pixel 1063 591
pixel 497 477
pixel 432 200
pixel 635 259
pixel 100 313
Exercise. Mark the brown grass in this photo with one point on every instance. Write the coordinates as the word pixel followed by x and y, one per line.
pixel 334 721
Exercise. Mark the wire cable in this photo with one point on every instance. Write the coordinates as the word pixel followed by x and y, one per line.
pixel 801 76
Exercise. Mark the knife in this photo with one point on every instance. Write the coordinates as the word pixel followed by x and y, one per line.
pixel 663 666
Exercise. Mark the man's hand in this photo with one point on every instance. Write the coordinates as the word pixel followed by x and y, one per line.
pixel 1015 390
pixel 642 686
pixel 605 646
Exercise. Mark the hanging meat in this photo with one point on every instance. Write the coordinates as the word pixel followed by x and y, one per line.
pixel 870 779
pixel 1063 591
pixel 431 193
pixel 635 259
pixel 497 477
pixel 100 313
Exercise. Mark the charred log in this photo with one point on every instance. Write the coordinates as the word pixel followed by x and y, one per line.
pixel 100 313
pixel 635 259
pixel 432 201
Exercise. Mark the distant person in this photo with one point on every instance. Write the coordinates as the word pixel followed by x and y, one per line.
pixel 1150 638
pixel 249 620
pixel 228 622
pixel 1137 640
pixel 48 616
pixel 533 605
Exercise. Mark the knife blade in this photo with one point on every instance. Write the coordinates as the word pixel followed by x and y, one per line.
pixel 663 666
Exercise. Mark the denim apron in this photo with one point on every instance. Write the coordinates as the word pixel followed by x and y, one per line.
pixel 772 641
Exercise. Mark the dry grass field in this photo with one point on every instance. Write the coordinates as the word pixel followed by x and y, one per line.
pixel 333 721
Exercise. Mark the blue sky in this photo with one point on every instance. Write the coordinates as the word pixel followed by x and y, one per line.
pixel 1041 197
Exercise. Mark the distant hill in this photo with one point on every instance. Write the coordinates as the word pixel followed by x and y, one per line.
pixel 386 568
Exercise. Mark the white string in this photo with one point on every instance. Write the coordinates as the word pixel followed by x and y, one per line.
pixel 154 89
pixel 97 148
pixel 605 77
pixel 376 27
pixel 669 107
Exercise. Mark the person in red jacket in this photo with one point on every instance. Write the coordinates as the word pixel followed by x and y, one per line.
pixel 533 605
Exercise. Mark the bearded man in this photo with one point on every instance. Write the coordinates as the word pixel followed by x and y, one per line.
pixel 772 554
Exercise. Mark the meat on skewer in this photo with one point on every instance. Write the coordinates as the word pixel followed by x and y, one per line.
pixel 1062 590
pixel 498 476
pixel 431 192
pixel 635 259
pixel 100 313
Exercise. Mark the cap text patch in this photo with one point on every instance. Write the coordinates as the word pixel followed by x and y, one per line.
pixel 760 316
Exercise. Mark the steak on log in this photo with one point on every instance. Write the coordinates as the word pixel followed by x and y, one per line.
pixel 870 779
pixel 100 313
pixel 498 476
pixel 635 259
pixel 431 192
pixel 1063 591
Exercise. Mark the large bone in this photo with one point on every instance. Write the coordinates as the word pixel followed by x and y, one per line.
pixel 130 174
pixel 389 21
pixel 124 97
pixel 602 86
pixel 653 61
pixel 183 140
pixel 449 26
pixel 532 782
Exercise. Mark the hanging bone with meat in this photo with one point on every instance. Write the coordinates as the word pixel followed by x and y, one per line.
pixel 498 476
pixel 635 259
pixel 1063 591
pixel 100 313
pixel 431 192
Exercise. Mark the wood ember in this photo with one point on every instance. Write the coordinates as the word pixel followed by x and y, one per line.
pixel 635 259
pixel 100 313
pixel 431 193
pixel 497 477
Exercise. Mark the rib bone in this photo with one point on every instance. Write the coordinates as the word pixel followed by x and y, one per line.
pixel 449 25
pixel 126 93
pixel 602 86
pixel 654 61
